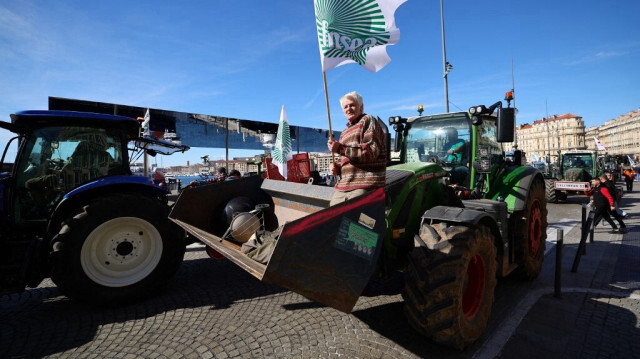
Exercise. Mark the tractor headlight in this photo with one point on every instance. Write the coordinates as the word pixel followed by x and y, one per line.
pixel 477 110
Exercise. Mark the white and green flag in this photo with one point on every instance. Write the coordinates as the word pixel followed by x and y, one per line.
pixel 356 31
pixel 282 148
pixel 145 124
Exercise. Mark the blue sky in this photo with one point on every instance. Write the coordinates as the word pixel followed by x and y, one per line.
pixel 246 58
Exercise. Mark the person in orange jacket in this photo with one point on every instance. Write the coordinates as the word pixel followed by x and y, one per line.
pixel 629 175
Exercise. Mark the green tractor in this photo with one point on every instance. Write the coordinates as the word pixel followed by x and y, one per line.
pixel 575 169
pixel 451 220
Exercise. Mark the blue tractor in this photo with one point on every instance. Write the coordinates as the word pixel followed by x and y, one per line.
pixel 71 209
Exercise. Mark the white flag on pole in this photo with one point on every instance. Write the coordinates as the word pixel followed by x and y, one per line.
pixel 145 124
pixel 282 148
pixel 356 31
pixel 631 161
pixel 599 145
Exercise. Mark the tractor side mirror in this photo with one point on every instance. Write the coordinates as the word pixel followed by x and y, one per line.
pixel 398 141
pixel 506 124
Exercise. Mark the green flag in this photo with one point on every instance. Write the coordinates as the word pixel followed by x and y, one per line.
pixel 356 31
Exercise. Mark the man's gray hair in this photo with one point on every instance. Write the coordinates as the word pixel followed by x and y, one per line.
pixel 354 96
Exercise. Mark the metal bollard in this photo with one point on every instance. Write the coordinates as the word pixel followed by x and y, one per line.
pixel 583 243
pixel 558 277
pixel 591 229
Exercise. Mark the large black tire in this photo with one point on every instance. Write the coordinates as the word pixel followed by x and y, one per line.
pixel 449 289
pixel 116 249
pixel 550 191
pixel 530 228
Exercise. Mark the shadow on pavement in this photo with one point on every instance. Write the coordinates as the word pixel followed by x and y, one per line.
pixel 41 321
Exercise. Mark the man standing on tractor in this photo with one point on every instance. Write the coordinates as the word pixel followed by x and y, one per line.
pixel 629 175
pixel 362 151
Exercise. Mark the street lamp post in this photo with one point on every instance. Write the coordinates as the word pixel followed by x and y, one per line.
pixel 548 160
pixel 447 67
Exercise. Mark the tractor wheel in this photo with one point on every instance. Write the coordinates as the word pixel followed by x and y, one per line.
pixel 531 241
pixel 449 290
pixel 117 249
pixel 551 194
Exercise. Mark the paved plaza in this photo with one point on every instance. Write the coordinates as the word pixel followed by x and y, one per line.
pixel 213 309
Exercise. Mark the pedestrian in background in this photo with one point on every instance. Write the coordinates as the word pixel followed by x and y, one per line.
pixel 234 174
pixel 611 187
pixel 221 175
pixel 629 175
pixel 603 206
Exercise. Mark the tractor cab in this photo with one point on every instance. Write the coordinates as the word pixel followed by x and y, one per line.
pixel 61 151
pixel 578 166
pixel 464 144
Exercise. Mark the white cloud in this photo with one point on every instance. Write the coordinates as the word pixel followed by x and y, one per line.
pixel 597 57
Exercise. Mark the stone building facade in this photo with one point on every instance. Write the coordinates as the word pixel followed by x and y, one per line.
pixel 549 136
pixel 620 136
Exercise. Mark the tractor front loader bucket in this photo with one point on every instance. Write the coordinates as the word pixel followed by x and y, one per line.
pixel 327 254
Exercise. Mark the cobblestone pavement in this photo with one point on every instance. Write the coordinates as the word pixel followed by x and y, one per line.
pixel 213 309
pixel 598 314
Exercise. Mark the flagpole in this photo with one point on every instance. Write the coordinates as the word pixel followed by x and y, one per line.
pixel 326 99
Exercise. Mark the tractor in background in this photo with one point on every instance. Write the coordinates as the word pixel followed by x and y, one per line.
pixel 72 210
pixel 575 169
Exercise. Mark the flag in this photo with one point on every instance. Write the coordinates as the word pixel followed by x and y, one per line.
pixel 356 31
pixel 145 124
pixel 282 148
pixel 631 162
pixel 599 145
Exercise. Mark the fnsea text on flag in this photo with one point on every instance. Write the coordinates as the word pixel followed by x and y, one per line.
pixel 356 31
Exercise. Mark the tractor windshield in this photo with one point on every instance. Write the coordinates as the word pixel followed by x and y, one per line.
pixel 55 160
pixel 577 167
pixel 440 140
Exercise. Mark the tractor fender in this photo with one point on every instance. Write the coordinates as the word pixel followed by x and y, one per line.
pixel 108 185
pixel 466 216
pixel 514 187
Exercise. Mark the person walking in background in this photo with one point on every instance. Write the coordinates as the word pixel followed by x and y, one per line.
pixel 233 174
pixel 611 187
pixel 603 206
pixel 221 175
pixel 629 175
pixel 362 151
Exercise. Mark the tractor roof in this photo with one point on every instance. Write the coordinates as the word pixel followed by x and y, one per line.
pixel 26 121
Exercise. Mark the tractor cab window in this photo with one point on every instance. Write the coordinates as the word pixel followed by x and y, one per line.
pixel 444 141
pixel 487 138
pixel 56 160
pixel 577 167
